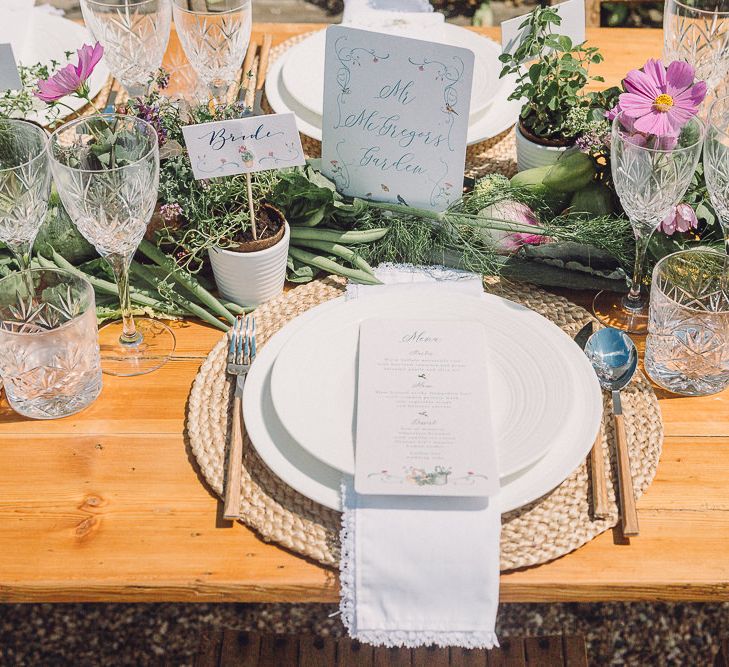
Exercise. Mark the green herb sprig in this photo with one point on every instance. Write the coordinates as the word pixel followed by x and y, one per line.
pixel 554 82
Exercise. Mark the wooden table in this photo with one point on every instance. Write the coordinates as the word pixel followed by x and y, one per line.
pixel 108 506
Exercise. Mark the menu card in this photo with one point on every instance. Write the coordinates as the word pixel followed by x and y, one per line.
pixel 423 425
pixel 395 117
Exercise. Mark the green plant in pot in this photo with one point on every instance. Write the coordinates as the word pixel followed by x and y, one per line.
pixel 552 74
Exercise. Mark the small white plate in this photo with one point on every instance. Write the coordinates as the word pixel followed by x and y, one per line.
pixel 541 383
pixel 303 72
pixel 49 38
pixel 321 483
pixel 498 117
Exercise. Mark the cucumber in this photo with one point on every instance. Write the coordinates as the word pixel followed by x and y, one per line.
pixel 594 200
pixel 530 178
pixel 572 172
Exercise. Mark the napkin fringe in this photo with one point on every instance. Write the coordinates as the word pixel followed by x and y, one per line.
pixel 390 638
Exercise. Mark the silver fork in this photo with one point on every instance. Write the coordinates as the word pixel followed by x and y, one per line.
pixel 241 353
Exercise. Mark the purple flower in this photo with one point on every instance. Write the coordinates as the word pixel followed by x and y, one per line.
pixel 659 100
pixel 170 212
pixel 508 210
pixel 681 218
pixel 71 78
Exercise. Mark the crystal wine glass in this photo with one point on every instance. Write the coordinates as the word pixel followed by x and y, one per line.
pixel 697 31
pixel 716 162
pixel 106 169
pixel 134 34
pixel 25 184
pixel 651 174
pixel 214 36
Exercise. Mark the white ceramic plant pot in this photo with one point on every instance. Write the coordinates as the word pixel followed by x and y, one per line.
pixel 251 278
pixel 530 154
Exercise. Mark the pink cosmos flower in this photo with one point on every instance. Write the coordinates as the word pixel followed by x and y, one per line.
pixel 681 218
pixel 71 78
pixel 661 101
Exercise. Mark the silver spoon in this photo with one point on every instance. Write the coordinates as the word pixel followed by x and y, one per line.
pixel 613 356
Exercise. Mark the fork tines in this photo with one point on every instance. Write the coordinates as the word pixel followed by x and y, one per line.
pixel 242 346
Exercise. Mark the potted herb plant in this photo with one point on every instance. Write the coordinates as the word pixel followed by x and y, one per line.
pixel 248 253
pixel 552 74
pixel 251 269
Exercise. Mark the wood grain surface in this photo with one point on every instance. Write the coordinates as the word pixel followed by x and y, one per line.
pixel 107 505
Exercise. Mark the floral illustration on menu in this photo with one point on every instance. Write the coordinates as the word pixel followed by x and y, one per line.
pixel 448 76
pixel 438 476
pixel 348 58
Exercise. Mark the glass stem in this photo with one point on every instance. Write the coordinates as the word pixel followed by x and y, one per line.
pixel 219 91
pixel 120 266
pixel 21 251
pixel 641 246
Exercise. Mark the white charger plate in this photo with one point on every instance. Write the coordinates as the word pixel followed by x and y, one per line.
pixel 538 377
pixel 49 38
pixel 303 72
pixel 498 117
pixel 321 483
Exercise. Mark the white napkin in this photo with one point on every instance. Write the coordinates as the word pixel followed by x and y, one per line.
pixel 416 570
pixel 409 18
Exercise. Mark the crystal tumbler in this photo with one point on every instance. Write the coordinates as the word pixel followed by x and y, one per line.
pixel 687 350
pixel 49 351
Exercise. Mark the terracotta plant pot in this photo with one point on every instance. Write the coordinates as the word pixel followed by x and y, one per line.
pixel 254 272
pixel 530 153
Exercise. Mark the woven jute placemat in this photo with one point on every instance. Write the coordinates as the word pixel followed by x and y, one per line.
pixel 549 527
pixel 495 155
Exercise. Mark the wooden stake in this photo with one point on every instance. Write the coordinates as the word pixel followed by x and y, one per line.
pixel 251 208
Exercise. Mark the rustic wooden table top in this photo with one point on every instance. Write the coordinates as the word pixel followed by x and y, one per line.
pixel 108 505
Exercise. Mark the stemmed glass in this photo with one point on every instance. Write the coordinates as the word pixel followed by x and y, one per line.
pixel 651 175
pixel 214 36
pixel 716 162
pixel 697 31
pixel 25 184
pixel 106 169
pixel 134 34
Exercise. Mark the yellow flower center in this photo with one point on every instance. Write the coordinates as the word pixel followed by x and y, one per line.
pixel 663 102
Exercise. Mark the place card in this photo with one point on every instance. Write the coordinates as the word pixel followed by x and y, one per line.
pixel 243 145
pixel 572 13
pixel 423 423
pixel 9 75
pixel 395 117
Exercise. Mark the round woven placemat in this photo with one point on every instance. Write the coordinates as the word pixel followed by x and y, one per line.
pixel 495 155
pixel 551 526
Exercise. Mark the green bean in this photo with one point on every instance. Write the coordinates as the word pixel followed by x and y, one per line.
pixel 339 250
pixel 238 310
pixel 326 264
pixel 185 279
pixel 334 236
pixel 190 306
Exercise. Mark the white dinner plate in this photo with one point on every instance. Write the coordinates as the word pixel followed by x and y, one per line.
pixel 293 464
pixel 321 483
pixel 49 38
pixel 539 379
pixel 303 72
pixel 498 117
